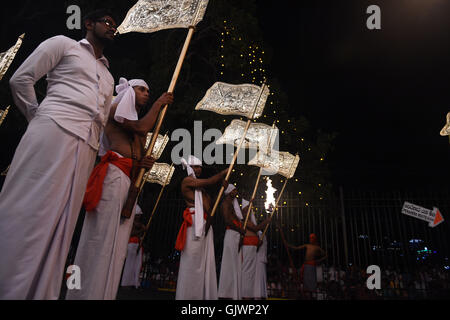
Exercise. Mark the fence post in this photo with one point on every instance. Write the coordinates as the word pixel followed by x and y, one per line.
pixel 344 229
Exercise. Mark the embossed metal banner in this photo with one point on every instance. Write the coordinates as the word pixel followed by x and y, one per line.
pixel 8 56
pixel 446 129
pixel 5 172
pixel 160 144
pixel 153 15
pixel 246 100
pixel 282 163
pixel 259 135
pixel 3 114
pixel 160 173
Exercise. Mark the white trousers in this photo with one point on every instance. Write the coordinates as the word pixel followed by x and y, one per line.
pixel 197 273
pixel 103 242
pixel 261 273
pixel 39 206
pixel 132 268
pixel 230 270
pixel 248 271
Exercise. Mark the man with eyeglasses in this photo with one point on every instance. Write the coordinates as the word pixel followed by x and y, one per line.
pixel 43 192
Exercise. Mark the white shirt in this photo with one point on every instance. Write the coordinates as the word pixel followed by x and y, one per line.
pixel 79 90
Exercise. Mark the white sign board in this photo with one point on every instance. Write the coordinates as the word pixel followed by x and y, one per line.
pixel 433 217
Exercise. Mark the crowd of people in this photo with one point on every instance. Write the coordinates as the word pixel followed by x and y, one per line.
pixel 339 283
pixel 333 282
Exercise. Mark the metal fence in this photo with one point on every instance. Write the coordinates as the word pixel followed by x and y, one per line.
pixel 354 227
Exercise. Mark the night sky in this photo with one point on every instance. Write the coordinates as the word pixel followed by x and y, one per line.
pixel 385 92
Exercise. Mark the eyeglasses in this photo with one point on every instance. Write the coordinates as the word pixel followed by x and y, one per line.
pixel 108 23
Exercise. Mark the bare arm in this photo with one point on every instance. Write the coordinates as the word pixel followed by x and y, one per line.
pixel 297 248
pixel 263 224
pixel 202 183
pixel 145 124
pixel 228 216
pixel 255 228
pixel 251 226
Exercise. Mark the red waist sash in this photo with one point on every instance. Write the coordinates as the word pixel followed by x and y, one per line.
pixel 251 241
pixel 187 222
pixel 237 223
pixel 95 182
pixel 134 240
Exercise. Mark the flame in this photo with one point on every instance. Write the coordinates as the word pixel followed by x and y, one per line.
pixel 270 191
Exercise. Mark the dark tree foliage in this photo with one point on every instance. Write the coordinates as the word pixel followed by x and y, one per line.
pixel 227 46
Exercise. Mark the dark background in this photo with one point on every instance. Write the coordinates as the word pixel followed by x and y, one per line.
pixel 385 92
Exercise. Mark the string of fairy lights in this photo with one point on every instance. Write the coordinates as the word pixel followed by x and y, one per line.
pixel 253 70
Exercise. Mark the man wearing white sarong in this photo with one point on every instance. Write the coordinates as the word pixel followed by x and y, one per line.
pixel 104 238
pixel 197 272
pixel 230 270
pixel 249 255
pixel 133 262
pixel 43 191
pixel 261 275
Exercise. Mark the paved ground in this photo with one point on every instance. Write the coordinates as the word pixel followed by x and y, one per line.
pixel 145 294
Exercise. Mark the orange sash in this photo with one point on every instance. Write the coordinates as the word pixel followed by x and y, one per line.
pixel 237 223
pixel 95 183
pixel 134 240
pixel 251 241
pixel 187 222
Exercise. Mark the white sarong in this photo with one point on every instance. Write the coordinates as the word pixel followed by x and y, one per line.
pixel 39 207
pixel 197 274
pixel 230 270
pixel 132 268
pixel 261 276
pixel 248 271
pixel 103 242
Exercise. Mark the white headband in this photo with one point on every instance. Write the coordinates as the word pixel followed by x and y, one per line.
pixel 192 161
pixel 230 188
pixel 126 99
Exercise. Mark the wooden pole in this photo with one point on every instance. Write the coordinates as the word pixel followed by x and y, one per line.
pixel 143 182
pixel 241 241
pixel 4 113
pixel 134 188
pixel 154 208
pixel 250 207
pixel 208 221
